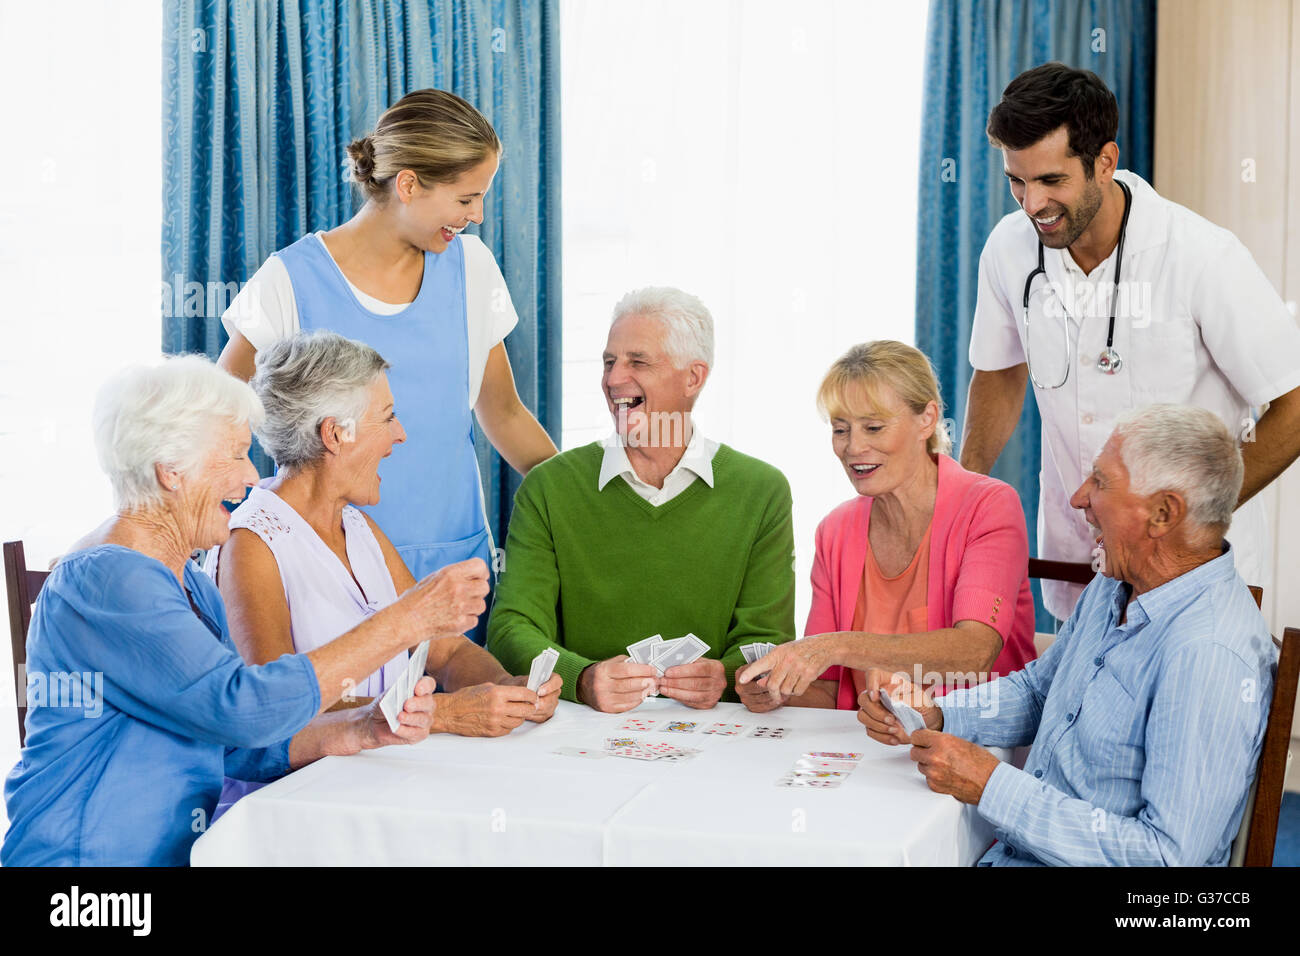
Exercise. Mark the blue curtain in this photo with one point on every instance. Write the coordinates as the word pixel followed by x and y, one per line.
pixel 974 48
pixel 261 98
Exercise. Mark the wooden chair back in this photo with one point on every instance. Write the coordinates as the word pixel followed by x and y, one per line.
pixel 1258 834
pixel 22 585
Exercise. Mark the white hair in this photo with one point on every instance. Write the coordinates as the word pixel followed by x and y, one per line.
pixel 1187 450
pixel 688 326
pixel 164 415
pixel 305 379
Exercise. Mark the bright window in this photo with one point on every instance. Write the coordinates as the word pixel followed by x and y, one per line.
pixel 80 207
pixel 763 156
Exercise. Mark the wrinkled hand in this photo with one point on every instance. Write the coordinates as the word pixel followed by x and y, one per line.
pixel 953 765
pixel 699 684
pixel 485 710
pixel 617 685
pixel 446 603
pixel 414 719
pixel 881 724
pixel 791 668
pixel 548 696
pixel 756 697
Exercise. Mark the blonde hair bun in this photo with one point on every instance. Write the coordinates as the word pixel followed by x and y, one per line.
pixel 362 153
pixel 435 134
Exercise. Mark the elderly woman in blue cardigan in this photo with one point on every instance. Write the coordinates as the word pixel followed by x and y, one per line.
pixel 124 764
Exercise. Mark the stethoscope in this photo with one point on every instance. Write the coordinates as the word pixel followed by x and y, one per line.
pixel 1109 361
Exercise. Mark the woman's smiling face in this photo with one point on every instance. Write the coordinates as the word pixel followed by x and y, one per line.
pixel 883 448
pixel 435 214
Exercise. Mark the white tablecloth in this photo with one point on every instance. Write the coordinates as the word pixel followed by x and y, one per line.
pixel 510 800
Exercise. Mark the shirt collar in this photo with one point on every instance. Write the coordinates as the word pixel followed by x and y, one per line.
pixel 1148 220
pixel 697 458
pixel 1163 601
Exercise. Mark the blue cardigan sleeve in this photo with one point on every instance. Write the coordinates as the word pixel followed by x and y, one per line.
pixel 125 615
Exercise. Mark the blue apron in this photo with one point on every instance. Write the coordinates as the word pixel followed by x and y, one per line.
pixel 431 504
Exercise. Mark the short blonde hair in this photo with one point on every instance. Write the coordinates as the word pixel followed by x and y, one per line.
pixel 435 134
pixel 851 389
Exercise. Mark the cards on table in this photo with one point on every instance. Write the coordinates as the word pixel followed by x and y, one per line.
pixel 542 668
pixel 396 696
pixel 774 733
pixel 639 724
pixel 633 748
pixel 907 715
pixel 753 652
pixel 587 752
pixel 820 770
pixel 726 730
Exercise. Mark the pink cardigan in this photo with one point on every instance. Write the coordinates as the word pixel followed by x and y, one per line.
pixel 979 566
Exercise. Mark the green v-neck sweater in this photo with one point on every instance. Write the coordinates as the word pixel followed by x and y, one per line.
pixel 590 571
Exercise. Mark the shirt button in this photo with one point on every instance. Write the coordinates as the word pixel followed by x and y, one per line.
pixel 1009 851
pixel 1087 419
pixel 1038 774
pixel 1069 718
pixel 1099 661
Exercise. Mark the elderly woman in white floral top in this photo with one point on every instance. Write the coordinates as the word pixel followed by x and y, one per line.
pixel 304 564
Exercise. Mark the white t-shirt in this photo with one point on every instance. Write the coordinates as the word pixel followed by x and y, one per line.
pixel 1197 323
pixel 264 311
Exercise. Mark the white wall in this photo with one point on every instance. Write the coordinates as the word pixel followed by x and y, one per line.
pixel 80 201
pixel 763 156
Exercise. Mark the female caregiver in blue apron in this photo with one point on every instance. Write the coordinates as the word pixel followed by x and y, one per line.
pixel 400 277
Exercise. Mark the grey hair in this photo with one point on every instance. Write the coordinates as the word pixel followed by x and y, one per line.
pixel 1187 450
pixel 164 414
pixel 305 379
pixel 688 326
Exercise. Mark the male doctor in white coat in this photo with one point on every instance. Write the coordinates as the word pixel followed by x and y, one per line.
pixel 1195 322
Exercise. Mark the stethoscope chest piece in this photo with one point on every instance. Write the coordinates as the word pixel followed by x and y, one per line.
pixel 1110 362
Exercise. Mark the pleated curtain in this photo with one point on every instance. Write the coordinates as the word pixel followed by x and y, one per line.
pixel 261 98
pixel 974 48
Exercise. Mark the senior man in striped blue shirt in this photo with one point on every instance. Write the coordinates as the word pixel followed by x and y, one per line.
pixel 1147 714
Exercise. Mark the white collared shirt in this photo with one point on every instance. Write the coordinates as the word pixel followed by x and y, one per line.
pixel 1197 323
pixel 696 462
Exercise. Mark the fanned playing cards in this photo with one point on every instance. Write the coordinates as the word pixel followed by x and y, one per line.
pixel 395 697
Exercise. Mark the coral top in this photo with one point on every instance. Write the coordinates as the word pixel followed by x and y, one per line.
pixel 892 605
pixel 977 568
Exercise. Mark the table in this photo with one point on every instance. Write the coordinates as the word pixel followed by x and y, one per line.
pixel 511 801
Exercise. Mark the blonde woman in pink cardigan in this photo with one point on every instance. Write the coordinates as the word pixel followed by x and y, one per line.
pixel 924 571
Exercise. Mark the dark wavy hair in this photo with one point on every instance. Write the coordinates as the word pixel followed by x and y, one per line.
pixel 1048 97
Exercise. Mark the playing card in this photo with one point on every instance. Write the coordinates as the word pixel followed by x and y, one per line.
pixel 907 715
pixel 542 668
pixel 638 724
pixel 684 650
pixel 641 651
pixel 812 765
pixel 811 782
pixel 773 732
pixel 679 727
pixel 580 752
pixel 833 755
pixel 727 730
pixel 394 699
pixel 635 753
pixel 617 743
pixel 750 652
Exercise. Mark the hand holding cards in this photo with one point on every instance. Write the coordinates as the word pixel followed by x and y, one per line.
pixel 910 718
pixel 542 668
pixel 396 696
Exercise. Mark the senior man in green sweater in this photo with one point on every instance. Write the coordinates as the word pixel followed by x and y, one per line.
pixel 656 530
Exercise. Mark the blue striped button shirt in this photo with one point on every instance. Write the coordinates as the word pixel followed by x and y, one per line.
pixel 1145 734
